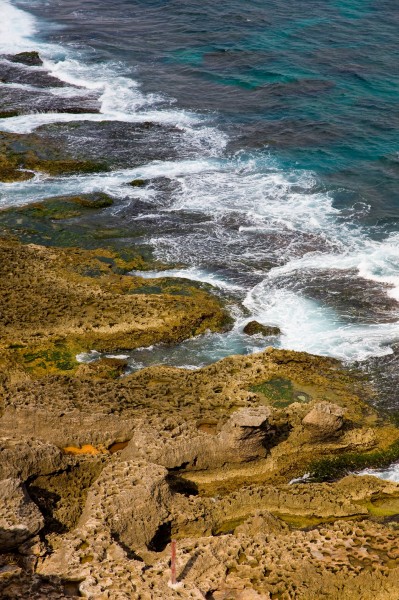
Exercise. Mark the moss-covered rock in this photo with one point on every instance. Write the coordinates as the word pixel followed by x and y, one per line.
pixel 6 114
pixel 137 183
pixel 254 328
pixel 61 207
pixel 10 172
pixel 37 153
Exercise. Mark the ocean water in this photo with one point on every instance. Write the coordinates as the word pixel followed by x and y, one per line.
pixel 280 149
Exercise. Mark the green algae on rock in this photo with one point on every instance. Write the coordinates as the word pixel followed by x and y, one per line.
pixel 60 207
pixel 53 310
pixel 42 223
pixel 36 152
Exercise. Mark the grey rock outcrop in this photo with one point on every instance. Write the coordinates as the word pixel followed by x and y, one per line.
pixel 242 438
pixel 20 519
pixel 24 457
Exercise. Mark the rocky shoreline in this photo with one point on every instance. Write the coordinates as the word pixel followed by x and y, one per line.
pixel 101 469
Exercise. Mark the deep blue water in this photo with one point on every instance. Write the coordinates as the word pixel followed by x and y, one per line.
pixel 315 81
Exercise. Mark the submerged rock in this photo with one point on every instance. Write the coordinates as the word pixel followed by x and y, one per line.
pixel 137 183
pixel 16 72
pixel 254 328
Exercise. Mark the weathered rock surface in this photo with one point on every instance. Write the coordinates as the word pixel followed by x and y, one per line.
pixel 20 518
pixel 110 468
pixel 241 527
pixel 325 420
pixel 45 297
pixel 242 438
pixel 26 457
pixel 132 500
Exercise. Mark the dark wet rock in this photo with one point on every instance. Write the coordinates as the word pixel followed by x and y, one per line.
pixel 6 114
pixel 245 247
pixel 31 59
pixel 137 182
pixel 60 207
pixel 383 371
pixel 14 102
pixel 253 328
pixel 122 145
pixel 11 174
pixel 11 72
pixel 89 226
pixel 38 153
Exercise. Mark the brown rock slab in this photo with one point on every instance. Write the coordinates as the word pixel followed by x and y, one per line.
pixel 325 420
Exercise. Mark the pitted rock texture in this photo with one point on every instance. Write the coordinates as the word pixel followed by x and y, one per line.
pixel 242 438
pixel 20 519
pixel 25 457
pixel 347 559
pixel 116 467
pixel 45 298
pixel 132 500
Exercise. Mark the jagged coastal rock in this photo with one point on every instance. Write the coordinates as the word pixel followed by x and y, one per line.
pixel 254 328
pixel 247 464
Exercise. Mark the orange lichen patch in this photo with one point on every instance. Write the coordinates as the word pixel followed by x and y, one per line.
pixel 86 449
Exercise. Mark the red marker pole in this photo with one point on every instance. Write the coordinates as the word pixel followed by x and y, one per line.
pixel 173 562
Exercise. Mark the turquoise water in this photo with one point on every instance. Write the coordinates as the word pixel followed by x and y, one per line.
pixel 314 81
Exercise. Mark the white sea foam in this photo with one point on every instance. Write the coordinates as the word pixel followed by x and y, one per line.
pixel 17 28
pixel 114 182
pixel 120 97
pixel 391 473
pixel 28 123
pixel 191 273
pixel 309 326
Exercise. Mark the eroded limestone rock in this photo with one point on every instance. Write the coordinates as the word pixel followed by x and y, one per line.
pixel 20 519
pixel 325 420
pixel 131 499
pixel 243 437
pixel 26 457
